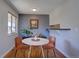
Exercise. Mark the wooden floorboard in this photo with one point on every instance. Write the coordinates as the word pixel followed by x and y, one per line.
pixel 35 53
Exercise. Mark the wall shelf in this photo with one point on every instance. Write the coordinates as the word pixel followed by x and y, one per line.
pixel 59 29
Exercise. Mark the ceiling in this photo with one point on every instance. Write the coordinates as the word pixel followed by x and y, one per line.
pixel 42 6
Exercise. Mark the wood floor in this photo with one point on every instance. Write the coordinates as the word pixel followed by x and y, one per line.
pixel 35 53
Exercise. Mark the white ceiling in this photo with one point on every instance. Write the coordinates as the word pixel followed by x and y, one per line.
pixel 42 6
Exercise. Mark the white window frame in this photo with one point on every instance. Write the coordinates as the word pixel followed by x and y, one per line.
pixel 11 22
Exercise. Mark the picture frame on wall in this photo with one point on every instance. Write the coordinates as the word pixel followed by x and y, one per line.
pixel 34 23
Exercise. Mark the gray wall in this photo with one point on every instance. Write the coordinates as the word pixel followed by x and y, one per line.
pixel 6 41
pixel 24 20
pixel 67 16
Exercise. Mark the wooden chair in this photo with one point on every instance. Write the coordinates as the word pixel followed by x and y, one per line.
pixel 19 45
pixel 50 45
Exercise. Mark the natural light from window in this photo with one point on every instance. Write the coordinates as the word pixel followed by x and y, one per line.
pixel 11 23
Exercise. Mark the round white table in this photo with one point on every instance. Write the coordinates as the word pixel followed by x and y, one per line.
pixel 32 42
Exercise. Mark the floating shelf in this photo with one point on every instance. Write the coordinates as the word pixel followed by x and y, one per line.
pixel 59 29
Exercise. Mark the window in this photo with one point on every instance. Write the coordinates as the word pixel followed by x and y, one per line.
pixel 11 23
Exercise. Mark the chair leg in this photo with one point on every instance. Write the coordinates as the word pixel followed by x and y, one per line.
pixel 54 52
pixel 15 53
pixel 24 52
pixel 47 53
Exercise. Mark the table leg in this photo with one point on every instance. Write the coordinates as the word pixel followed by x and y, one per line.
pixel 42 51
pixel 29 52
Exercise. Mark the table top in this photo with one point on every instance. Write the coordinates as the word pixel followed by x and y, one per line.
pixel 40 41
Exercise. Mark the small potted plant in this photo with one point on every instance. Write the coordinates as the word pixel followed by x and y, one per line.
pixel 26 33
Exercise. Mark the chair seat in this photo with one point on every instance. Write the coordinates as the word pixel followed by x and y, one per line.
pixel 48 46
pixel 19 44
pixel 22 47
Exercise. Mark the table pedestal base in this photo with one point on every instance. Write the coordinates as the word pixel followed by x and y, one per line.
pixel 30 48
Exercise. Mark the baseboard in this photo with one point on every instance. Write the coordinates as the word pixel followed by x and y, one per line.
pixel 7 52
pixel 63 53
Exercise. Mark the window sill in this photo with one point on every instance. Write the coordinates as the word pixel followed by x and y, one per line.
pixel 12 34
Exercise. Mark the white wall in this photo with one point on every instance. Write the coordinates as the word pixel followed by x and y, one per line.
pixel 6 42
pixel 68 16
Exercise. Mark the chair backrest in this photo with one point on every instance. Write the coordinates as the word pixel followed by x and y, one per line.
pixel 52 40
pixel 18 41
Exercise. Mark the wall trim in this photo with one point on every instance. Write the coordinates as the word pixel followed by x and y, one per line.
pixel 11 5
pixel 63 53
pixel 7 52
